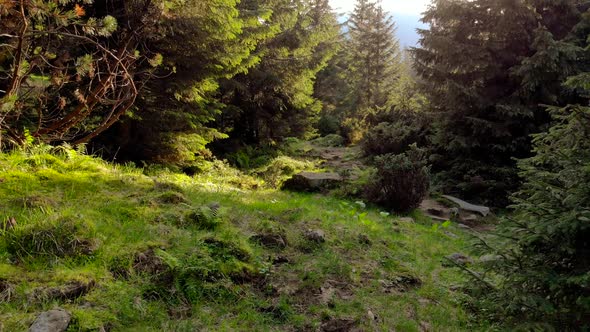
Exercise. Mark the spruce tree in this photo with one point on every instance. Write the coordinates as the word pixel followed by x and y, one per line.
pixel 202 43
pixel 275 99
pixel 473 62
pixel 375 57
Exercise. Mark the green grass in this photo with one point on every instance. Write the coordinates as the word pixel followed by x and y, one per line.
pixel 163 259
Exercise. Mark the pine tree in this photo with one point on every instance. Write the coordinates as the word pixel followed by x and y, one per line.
pixel 275 99
pixel 542 268
pixel 473 61
pixel 202 43
pixel 375 56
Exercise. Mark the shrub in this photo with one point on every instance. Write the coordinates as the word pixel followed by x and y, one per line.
pixel 401 180
pixel 331 140
pixel 390 137
pixel 328 124
pixel 281 169
pixel 353 130
pixel 64 237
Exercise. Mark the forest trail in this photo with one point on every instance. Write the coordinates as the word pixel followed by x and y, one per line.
pixel 348 161
pixel 343 160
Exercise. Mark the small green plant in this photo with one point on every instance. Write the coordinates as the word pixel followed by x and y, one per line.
pixel 204 217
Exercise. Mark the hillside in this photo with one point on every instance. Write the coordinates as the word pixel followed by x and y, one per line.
pixel 129 249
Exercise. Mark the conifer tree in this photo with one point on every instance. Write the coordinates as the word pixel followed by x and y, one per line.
pixel 484 69
pixel 275 98
pixel 203 42
pixel 375 57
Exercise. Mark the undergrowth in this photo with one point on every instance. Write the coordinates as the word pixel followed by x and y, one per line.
pixel 130 249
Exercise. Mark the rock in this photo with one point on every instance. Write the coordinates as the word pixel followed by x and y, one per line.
pixel 372 317
pixel 458 259
pixel 483 210
pixel 408 220
pixel 56 320
pixel 270 240
pixel 315 235
pixel 308 181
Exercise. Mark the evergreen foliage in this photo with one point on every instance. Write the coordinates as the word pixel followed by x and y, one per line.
pixel 540 270
pixel 401 180
pixel 486 67
pixel 275 99
pixel 543 265
pixel 68 71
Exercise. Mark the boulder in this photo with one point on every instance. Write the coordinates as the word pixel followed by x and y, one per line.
pixel 56 320
pixel 315 235
pixel 483 210
pixel 308 181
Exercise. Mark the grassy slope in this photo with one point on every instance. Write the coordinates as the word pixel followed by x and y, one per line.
pixel 228 283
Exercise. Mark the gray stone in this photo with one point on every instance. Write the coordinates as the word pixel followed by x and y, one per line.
pixel 483 210
pixel 308 181
pixel 315 235
pixel 56 320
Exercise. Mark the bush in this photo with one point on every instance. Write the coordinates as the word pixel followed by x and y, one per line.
pixel 331 140
pixel 328 125
pixel 401 181
pixel 353 130
pixel 64 237
pixel 281 169
pixel 390 137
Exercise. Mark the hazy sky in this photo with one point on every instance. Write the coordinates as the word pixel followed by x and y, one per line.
pixel 411 7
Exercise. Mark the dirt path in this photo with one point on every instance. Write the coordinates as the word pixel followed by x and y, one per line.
pixel 342 160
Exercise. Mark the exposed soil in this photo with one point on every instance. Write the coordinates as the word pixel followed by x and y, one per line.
pixel 343 160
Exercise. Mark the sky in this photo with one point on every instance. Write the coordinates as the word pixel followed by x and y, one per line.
pixel 404 7
pixel 406 13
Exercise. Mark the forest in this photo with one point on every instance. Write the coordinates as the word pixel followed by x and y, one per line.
pixel 280 165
